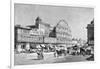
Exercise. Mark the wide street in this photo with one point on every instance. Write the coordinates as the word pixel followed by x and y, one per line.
pixel 27 59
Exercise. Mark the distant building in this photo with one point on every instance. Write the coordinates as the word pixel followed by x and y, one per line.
pixel 74 42
pixel 78 42
pixel 90 33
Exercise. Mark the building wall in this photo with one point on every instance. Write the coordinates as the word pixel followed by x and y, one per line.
pixel 90 33
pixel 63 32
pixel 46 29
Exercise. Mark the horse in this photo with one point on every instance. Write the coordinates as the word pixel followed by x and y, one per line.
pixel 60 52
pixel 82 51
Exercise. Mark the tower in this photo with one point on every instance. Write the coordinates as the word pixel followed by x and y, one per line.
pixel 38 20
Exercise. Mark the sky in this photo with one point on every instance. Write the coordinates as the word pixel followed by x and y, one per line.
pixel 76 17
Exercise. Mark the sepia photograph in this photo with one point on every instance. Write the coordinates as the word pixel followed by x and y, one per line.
pixel 46 34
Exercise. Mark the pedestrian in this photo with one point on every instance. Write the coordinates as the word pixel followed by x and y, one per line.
pixel 40 52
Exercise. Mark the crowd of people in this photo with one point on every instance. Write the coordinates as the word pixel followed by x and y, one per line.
pixel 59 50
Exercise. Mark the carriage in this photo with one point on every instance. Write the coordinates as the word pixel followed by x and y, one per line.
pixel 60 50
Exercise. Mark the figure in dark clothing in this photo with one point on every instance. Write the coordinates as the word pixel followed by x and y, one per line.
pixel 82 51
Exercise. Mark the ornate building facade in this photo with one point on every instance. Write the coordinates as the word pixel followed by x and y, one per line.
pixel 63 32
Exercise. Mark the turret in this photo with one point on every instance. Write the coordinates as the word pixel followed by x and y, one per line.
pixel 38 20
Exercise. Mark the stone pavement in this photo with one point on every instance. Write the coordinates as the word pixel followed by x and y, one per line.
pixel 26 59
